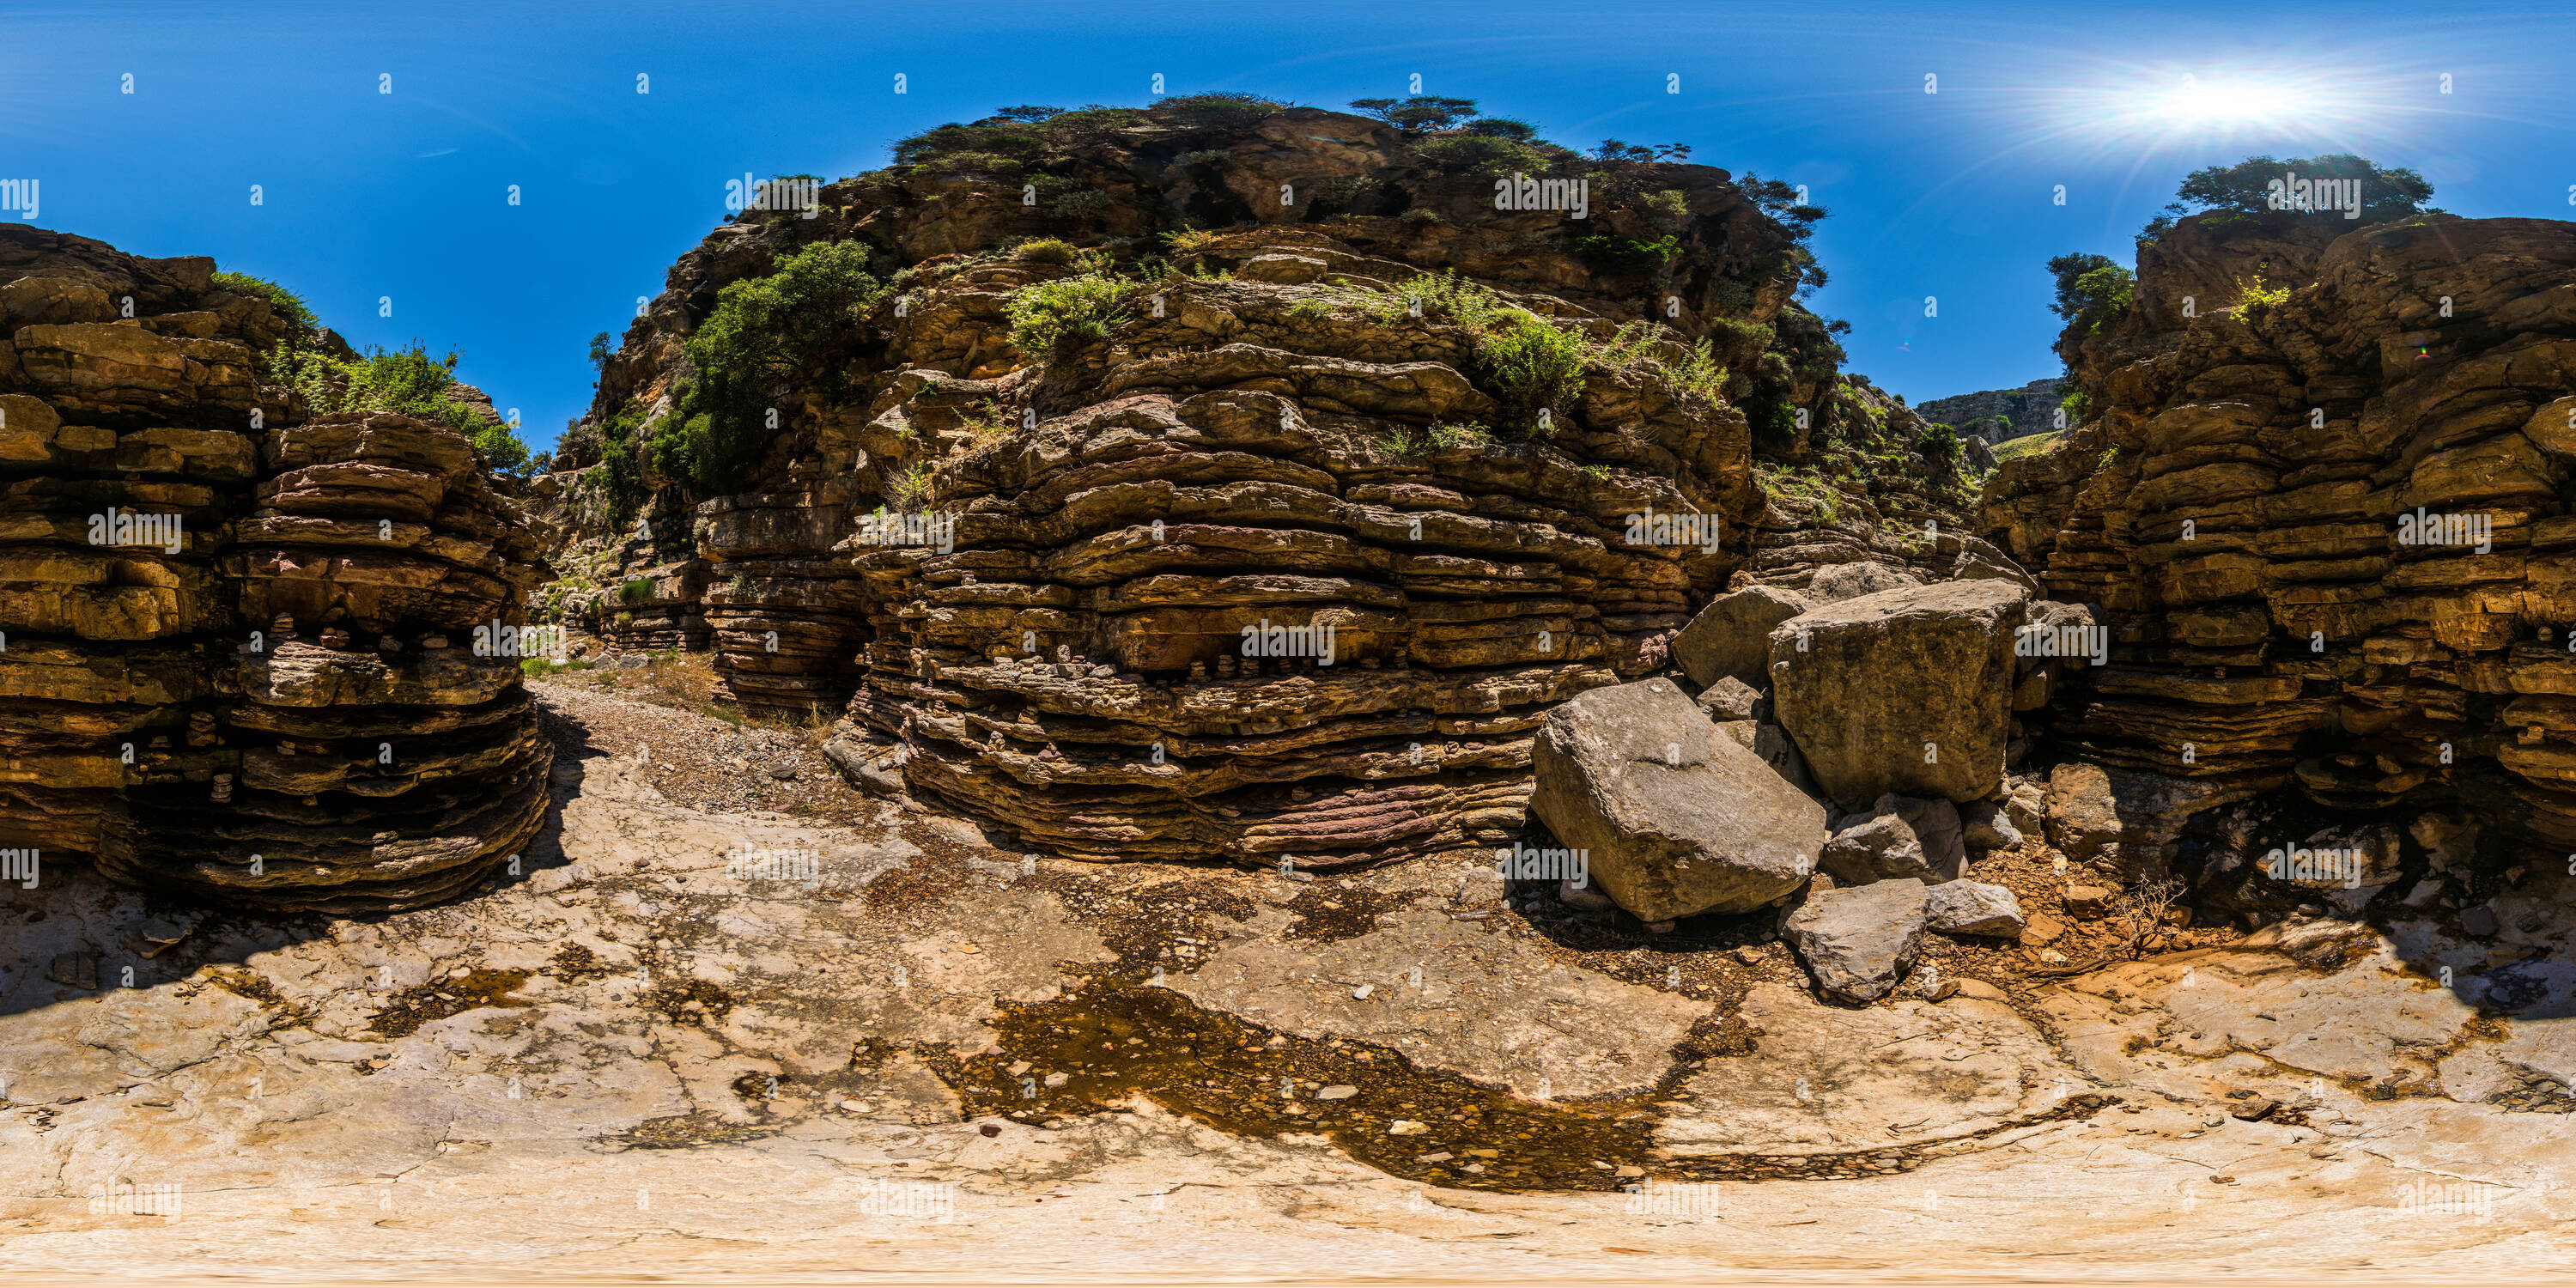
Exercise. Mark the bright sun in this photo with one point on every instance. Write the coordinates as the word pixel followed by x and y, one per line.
pixel 2200 102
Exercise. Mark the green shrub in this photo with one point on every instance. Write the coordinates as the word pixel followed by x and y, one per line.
pixel 1531 366
pixel 1483 155
pixel 2077 404
pixel 2091 290
pixel 1607 253
pixel 407 381
pixel 1457 299
pixel 1420 114
pixel 289 307
pixel 1046 250
pixel 767 335
pixel 1939 442
pixel 636 589
pixel 2254 299
pixel 2389 192
pixel 1071 311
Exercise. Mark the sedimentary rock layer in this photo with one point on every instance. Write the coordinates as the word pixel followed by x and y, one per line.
pixel 2333 536
pixel 239 662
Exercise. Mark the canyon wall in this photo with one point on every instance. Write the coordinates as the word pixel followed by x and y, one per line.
pixel 2332 528
pixel 1293 422
pixel 237 661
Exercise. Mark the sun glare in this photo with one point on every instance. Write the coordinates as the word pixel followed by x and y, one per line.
pixel 2198 101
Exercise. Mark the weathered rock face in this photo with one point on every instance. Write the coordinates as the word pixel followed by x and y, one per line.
pixel 274 702
pixel 2250 506
pixel 1037 571
pixel 1677 817
pixel 1997 415
pixel 1904 691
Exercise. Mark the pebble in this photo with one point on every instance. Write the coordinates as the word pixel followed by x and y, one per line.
pixel 1363 991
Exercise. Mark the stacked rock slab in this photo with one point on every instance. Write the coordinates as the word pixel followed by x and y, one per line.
pixel 2250 507
pixel 161 712
pixel 1097 663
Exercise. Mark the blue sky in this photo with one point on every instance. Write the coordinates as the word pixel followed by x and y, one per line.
pixel 403 195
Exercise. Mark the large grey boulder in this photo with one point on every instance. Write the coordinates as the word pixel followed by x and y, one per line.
pixel 1857 941
pixel 1732 699
pixel 1972 908
pixel 1852 580
pixel 1677 819
pixel 1905 691
pixel 1732 635
pixel 1898 837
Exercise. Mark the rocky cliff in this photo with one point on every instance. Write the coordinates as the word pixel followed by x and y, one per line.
pixel 2329 522
pixel 236 660
pixel 1268 541
pixel 1997 415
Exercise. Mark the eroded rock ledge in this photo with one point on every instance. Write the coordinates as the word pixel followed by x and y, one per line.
pixel 281 705
pixel 2241 509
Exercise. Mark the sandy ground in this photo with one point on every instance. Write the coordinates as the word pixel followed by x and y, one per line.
pixel 731 1025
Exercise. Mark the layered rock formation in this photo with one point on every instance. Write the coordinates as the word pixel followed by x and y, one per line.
pixel 2331 532
pixel 1996 415
pixel 1279 562
pixel 238 658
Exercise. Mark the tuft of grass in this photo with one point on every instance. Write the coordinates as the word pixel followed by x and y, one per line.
pixel 1052 316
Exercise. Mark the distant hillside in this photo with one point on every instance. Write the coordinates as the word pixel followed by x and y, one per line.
pixel 1998 414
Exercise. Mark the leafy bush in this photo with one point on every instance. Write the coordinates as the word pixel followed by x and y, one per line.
pixel 1046 250
pixel 1669 206
pixel 2254 299
pixel 1073 310
pixel 1219 110
pixel 1504 127
pixel 289 307
pixel 766 335
pixel 407 381
pixel 1485 155
pixel 1532 366
pixel 2091 290
pixel 2077 405
pixel 1419 215
pixel 1609 253
pixel 1939 442
pixel 2388 192
pixel 1420 114
pixel 1458 299
pixel 639 588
